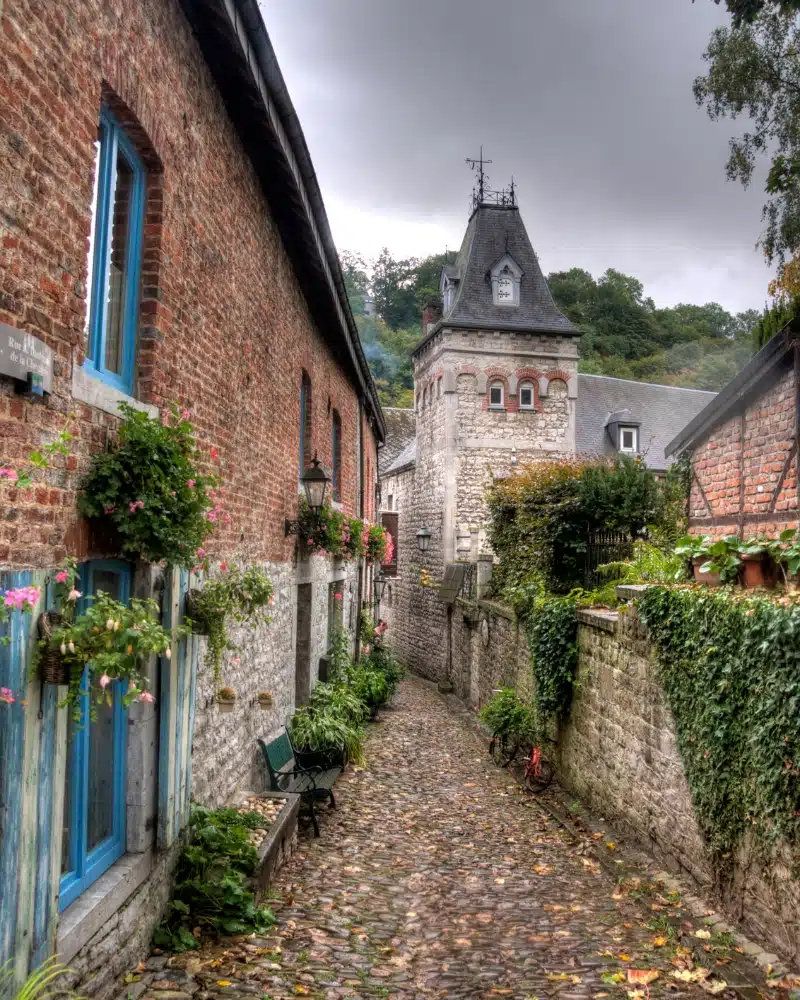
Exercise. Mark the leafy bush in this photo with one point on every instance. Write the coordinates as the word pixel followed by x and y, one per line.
pixel 210 889
pixel 508 717
pixel 371 686
pixel 315 730
pixel 541 518
pixel 41 984
pixel 339 700
pixel 150 488
pixel 728 666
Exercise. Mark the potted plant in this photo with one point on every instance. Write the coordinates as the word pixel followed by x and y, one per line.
pixel 226 699
pixel 265 700
pixel 148 486
pixel 759 564
pixel 113 641
pixel 375 543
pixel 694 548
pixel 236 595
pixel 54 668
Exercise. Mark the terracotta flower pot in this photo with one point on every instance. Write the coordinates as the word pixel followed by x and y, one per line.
pixel 265 702
pixel 759 571
pixel 712 579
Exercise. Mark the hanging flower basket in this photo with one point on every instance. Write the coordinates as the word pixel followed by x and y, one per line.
pixel 265 700
pixel 53 666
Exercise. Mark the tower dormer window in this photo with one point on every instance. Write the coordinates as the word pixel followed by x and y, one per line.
pixel 629 440
pixel 505 277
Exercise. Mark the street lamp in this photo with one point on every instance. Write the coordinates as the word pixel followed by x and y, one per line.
pixel 379 585
pixel 315 483
pixel 424 539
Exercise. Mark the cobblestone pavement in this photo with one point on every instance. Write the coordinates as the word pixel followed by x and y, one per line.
pixel 435 877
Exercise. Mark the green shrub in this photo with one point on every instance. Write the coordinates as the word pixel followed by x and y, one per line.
pixel 340 700
pixel 211 881
pixel 552 631
pixel 323 731
pixel 508 717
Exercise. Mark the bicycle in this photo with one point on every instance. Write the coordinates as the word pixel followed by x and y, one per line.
pixel 539 771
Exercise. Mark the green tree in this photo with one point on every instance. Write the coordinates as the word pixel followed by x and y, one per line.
pixel 746 11
pixel 754 71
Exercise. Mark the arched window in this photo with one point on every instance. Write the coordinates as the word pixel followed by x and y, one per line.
pixel 336 457
pixel 526 397
pixel 305 423
pixel 496 395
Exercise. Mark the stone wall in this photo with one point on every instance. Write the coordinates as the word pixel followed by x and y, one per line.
pixel 618 753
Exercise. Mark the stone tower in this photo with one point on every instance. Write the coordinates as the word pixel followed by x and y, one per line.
pixel 495 385
pixel 495 378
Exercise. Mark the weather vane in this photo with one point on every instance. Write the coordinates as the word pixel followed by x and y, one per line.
pixel 483 195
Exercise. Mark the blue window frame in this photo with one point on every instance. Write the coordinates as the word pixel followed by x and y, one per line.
pixel 115 256
pixel 93 834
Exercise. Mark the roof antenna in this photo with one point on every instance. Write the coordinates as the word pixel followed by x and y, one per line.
pixel 478 165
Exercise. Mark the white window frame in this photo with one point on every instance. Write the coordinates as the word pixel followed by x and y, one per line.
pixel 634 431
pixel 529 386
pixel 501 404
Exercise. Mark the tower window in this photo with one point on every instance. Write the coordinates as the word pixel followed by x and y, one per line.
pixel 526 397
pixel 496 395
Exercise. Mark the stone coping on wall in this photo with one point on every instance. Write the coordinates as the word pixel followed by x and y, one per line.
pixel 603 618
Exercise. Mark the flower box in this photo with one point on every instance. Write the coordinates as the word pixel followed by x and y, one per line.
pixel 712 579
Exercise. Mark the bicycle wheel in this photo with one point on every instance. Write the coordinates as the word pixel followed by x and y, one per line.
pixel 503 750
pixel 535 783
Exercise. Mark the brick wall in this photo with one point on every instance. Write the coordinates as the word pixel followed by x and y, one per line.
pixel 745 472
pixel 618 753
pixel 225 330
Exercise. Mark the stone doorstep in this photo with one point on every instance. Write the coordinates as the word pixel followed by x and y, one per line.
pixel 750 980
pixel 278 845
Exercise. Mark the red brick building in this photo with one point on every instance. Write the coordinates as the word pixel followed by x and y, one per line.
pixel 163 233
pixel 743 448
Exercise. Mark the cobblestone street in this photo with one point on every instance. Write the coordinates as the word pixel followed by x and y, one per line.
pixel 434 878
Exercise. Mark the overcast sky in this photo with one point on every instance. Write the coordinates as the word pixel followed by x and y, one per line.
pixel 588 103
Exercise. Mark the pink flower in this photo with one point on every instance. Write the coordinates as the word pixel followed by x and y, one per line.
pixel 214 454
pixel 211 515
pixel 136 505
pixel 366 651
pixel 73 595
pixel 146 696
pixel 104 681
pixel 223 567
pixel 62 576
pixel 23 598
pixel 236 659
pixel 7 695
pixel 8 473
pixel 190 483
pixel 109 509
pixel 200 553
pixel 337 597
pixel 271 601
pixel 186 414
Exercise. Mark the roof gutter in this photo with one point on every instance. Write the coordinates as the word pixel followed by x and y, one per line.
pixel 238 23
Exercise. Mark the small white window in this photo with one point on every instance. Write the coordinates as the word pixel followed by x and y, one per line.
pixel 629 439
pixel 391 501
pixel 526 396
pixel 496 394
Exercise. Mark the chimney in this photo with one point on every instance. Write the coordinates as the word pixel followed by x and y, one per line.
pixel 431 315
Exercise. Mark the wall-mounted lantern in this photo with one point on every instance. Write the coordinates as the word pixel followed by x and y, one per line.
pixel 315 483
pixel 379 586
pixel 424 539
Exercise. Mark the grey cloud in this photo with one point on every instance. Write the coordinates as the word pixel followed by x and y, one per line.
pixel 587 102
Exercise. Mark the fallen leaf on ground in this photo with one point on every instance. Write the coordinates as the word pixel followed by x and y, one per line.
pixel 224 982
pixel 642 976
pixel 705 935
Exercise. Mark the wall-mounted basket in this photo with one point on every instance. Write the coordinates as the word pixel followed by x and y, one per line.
pixel 53 667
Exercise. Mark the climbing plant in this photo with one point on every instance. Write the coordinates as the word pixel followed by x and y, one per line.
pixel 729 668
pixel 552 630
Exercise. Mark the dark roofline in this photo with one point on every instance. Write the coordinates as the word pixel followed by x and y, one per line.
pixel 735 391
pixel 445 324
pixel 239 54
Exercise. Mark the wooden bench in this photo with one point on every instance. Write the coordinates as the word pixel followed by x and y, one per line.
pixel 312 784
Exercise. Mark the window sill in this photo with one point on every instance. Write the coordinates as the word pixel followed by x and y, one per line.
pixel 102 396
pixel 498 409
pixel 90 912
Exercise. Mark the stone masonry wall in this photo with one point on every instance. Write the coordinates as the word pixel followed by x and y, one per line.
pixel 618 753
pixel 745 472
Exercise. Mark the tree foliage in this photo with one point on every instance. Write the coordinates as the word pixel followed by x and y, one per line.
pixel 624 334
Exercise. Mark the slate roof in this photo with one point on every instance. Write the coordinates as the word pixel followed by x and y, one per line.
pixel 662 411
pixel 401 428
pixel 493 232
pixel 407 457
